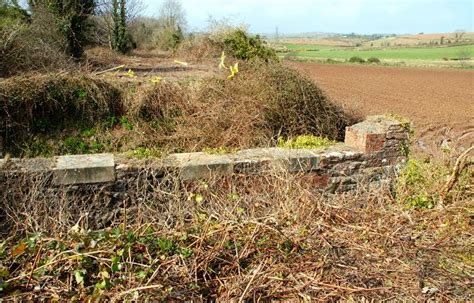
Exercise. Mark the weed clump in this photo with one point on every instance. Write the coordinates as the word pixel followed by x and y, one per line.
pixel 245 47
pixel 297 106
pixel 305 142
pixel 160 103
pixel 373 60
pixel 420 184
pixel 356 60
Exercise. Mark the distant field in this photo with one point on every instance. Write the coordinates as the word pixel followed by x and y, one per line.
pixel 425 53
pixel 308 47
pixel 413 40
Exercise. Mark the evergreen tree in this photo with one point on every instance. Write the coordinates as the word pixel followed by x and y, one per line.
pixel 120 39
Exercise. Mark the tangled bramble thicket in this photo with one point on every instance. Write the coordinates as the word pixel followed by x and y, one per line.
pixel 74 113
pixel 259 237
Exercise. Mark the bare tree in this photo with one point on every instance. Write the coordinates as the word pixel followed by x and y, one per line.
pixel 105 24
pixel 133 8
pixel 172 15
pixel 458 35
pixel 171 25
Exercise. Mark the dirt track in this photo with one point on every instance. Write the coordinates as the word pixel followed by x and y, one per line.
pixel 440 102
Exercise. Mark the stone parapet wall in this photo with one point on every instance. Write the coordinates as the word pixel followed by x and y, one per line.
pixel 372 152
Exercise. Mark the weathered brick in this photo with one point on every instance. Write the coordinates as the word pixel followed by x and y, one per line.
pixel 317 181
pixel 376 134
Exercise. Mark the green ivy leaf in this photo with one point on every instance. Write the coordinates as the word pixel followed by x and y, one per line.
pixel 101 285
pixel 79 276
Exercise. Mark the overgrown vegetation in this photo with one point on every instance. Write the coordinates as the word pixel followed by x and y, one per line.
pixel 245 47
pixel 120 38
pixel 305 142
pixel 258 237
pixel 45 106
pixel 421 184
pixel 49 114
pixel 264 102
pixel 71 18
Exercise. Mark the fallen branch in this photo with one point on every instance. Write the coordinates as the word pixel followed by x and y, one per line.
pixel 459 166
pixel 109 70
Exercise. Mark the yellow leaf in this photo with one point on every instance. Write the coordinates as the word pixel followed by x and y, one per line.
pixel 156 79
pixel 199 198
pixel 233 70
pixel 181 63
pixel 236 67
pixel 19 249
pixel 130 74
pixel 222 64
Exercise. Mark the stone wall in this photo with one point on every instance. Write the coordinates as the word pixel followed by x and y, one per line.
pixel 372 153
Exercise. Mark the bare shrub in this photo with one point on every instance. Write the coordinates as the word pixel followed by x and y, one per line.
pixel 161 101
pixel 34 45
pixel 199 48
pixel 257 237
pixel 263 102
pixel 52 102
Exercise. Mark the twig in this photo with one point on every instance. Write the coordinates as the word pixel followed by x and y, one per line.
pixel 124 293
pixel 34 265
pixel 109 70
pixel 359 289
pixel 458 168
pixel 250 283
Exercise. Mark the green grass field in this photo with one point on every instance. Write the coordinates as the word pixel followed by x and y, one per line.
pixel 308 47
pixel 428 53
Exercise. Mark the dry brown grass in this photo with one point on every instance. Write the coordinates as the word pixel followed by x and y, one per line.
pixel 257 237
pixel 103 58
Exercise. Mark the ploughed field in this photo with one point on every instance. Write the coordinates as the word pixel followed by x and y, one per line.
pixel 440 102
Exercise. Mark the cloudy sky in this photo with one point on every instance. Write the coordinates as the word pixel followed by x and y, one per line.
pixel 342 16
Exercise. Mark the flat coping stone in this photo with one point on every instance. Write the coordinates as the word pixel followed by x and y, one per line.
pixel 191 166
pixel 84 169
pixel 294 160
pixel 33 165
